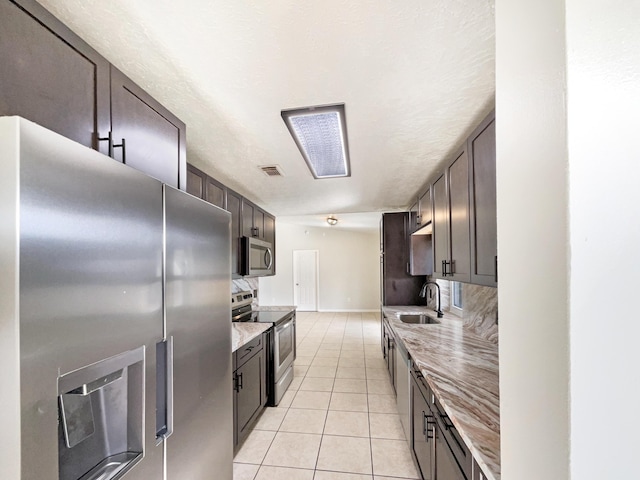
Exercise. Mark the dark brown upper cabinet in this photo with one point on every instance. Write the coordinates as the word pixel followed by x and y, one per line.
pixel 414 219
pixel 50 76
pixel 424 209
pixel 247 219
pixel 451 221
pixel 196 181
pixel 482 189
pixel 145 135
pixel 248 228
pixel 256 222
pixel 234 206
pixel 215 193
pixel 398 286
pixel 259 224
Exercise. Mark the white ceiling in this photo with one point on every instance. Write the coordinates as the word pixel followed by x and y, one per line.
pixel 415 75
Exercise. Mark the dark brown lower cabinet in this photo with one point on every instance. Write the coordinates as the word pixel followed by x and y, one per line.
pixel 250 387
pixel 446 466
pixel 437 447
pixel 389 352
pixel 422 428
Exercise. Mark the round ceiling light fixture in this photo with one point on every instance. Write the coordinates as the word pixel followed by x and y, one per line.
pixel 331 220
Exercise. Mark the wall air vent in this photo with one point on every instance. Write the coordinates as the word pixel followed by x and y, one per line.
pixel 272 170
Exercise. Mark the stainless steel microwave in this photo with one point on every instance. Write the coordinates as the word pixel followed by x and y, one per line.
pixel 257 257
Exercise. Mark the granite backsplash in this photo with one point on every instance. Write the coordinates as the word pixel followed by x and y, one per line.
pixel 246 285
pixel 480 308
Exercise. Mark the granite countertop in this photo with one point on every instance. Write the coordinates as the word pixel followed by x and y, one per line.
pixel 275 308
pixel 462 370
pixel 243 332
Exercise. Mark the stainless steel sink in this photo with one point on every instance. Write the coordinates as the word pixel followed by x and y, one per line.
pixel 418 318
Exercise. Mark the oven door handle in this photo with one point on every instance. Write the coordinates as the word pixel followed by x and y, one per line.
pixel 284 326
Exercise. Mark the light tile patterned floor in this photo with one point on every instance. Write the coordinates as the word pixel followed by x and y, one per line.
pixel 338 421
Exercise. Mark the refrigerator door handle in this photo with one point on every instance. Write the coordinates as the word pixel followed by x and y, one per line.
pixel 169 387
pixel 164 392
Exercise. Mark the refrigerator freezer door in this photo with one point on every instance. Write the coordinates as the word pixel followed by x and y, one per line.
pixel 198 319
pixel 89 250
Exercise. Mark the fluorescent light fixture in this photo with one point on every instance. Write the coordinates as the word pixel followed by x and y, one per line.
pixel 321 135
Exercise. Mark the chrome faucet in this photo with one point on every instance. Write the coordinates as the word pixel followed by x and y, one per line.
pixel 423 294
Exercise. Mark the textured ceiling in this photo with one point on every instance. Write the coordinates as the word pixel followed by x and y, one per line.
pixel 415 75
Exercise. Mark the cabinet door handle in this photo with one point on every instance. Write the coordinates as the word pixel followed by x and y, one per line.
pixel 444 268
pixel 239 382
pixel 427 422
pixel 446 422
pixel 109 140
pixel 453 267
pixel 124 150
pixel 496 266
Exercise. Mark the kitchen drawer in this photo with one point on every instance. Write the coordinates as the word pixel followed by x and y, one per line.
pixel 248 350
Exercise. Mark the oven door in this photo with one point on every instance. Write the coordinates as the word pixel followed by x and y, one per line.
pixel 283 348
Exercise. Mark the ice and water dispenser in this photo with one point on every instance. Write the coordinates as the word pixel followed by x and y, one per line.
pixel 101 418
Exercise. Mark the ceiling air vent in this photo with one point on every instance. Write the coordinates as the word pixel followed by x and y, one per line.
pixel 271 170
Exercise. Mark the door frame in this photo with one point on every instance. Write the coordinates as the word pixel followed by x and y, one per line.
pixel 295 290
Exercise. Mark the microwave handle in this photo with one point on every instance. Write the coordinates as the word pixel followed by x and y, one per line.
pixel 270 263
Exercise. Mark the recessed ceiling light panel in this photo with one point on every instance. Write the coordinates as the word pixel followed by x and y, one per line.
pixel 321 135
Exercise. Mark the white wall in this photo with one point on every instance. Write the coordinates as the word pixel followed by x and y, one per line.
pixel 603 51
pixel 567 103
pixel 349 267
pixel 532 239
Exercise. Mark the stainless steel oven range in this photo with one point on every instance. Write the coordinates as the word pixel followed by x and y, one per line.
pixel 281 347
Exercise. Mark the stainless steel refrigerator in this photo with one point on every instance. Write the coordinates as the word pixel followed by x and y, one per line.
pixel 115 332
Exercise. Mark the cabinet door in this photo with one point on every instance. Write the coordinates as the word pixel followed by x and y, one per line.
pixel 258 222
pixel 270 235
pixel 146 135
pixel 422 432
pixel 391 357
pixel 215 193
pixel 234 206
pixel 247 218
pixel 482 188
pixel 50 76
pixel 458 216
pixel 446 465
pixel 440 236
pixel 424 208
pixel 477 472
pixel 249 393
pixel 195 181
pixel 414 219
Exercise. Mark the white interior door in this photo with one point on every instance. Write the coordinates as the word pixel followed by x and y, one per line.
pixel 305 280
